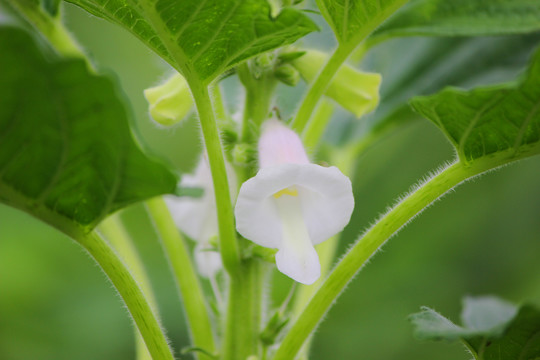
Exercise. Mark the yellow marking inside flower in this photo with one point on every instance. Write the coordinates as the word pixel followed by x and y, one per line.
pixel 287 191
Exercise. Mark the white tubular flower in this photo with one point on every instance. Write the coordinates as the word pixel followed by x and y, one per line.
pixel 197 217
pixel 292 204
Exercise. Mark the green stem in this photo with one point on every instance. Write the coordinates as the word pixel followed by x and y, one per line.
pixel 114 231
pixel 259 93
pixel 177 253
pixel 315 129
pixel 363 249
pixel 318 87
pixel 217 100
pixel 243 321
pixel 345 48
pixel 129 290
pixel 50 27
pixel 244 312
pixel 229 248
pixel 327 252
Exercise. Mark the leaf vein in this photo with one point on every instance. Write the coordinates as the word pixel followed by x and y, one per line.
pixel 190 19
pixel 216 33
pixel 525 125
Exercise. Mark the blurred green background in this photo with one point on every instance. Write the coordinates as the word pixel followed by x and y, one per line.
pixel 484 238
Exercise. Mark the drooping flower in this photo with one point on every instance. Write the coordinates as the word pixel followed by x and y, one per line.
pixel 292 204
pixel 356 91
pixel 197 217
pixel 170 102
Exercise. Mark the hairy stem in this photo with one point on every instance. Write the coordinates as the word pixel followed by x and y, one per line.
pixel 177 253
pixel 129 290
pixel 229 248
pixel 327 252
pixel 259 94
pixel 313 133
pixel 363 249
pixel 115 232
pixel 244 312
pixel 50 27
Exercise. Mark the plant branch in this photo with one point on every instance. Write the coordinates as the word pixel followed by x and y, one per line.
pixel 244 312
pixel 177 253
pixel 314 131
pixel 229 248
pixel 115 232
pixel 50 27
pixel 129 290
pixel 363 249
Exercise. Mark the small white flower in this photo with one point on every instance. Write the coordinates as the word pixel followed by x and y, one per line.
pixel 197 217
pixel 292 204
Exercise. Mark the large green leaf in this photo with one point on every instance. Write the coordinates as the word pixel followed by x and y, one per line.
pixel 202 38
pixel 353 20
pixel 429 64
pixel 463 18
pixel 492 329
pixel 489 126
pixel 66 151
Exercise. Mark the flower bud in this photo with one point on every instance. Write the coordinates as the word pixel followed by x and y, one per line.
pixel 287 74
pixel 355 90
pixel 169 102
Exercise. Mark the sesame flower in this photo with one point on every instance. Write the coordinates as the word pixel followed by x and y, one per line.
pixel 197 217
pixel 292 204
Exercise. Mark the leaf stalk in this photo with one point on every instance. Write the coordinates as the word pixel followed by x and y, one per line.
pixel 363 250
pixel 177 253
pixel 137 305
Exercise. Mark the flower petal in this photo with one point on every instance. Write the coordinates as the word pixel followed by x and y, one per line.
pixel 301 264
pixel 208 261
pixel 280 145
pixel 325 195
pixel 196 217
pixel 296 257
pixel 327 201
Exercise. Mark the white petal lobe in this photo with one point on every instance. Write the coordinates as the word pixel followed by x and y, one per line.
pixel 296 257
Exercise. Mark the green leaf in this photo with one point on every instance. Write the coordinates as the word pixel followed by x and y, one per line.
pixel 489 126
pixel 429 64
pixel 463 18
pixel 352 21
pixel 430 325
pixel 487 314
pixel 521 340
pixel 203 38
pixel 493 329
pixel 67 155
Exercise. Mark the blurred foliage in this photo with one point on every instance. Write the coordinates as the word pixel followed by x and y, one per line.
pixel 484 238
